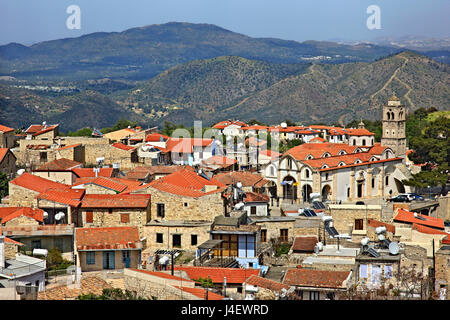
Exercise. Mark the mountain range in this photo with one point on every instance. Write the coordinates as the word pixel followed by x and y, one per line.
pixel 182 72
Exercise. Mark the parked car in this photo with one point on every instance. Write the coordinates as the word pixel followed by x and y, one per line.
pixel 415 196
pixel 400 198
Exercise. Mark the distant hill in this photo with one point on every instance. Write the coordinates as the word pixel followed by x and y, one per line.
pixel 234 87
pixel 231 87
pixel 142 53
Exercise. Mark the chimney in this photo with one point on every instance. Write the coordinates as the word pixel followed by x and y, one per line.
pixel 2 251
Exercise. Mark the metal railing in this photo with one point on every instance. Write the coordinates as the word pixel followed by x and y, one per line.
pixel 17 271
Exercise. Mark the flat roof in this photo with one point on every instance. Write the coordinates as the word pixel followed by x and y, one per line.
pixel 210 244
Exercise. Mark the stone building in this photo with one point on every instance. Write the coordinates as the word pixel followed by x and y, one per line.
pixel 394 126
pixel 115 210
pixel 7 162
pixel 7 137
pixel 59 170
pixel 443 272
pixel 107 248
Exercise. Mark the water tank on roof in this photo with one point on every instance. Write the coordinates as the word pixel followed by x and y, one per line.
pixel 164 260
pixel 379 230
pixel 20 171
pixel 283 125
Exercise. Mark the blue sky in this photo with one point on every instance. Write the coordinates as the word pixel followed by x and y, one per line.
pixel 31 21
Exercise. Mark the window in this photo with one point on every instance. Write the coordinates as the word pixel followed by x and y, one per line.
pixel 388 271
pixel 307 173
pixel 364 142
pixel 109 210
pixel 263 235
pixel 90 257
pixel 185 204
pixel 250 265
pixel 160 210
pixel 36 244
pixel 359 224
pixel 89 216
pixel 330 295
pixel 176 240
pixel 125 256
pixel 159 238
pixel 124 218
pixel 326 176
pixel 373 182
pixel 284 234
pixel 193 239
pixel 363 271
pixel 43 156
pixel 314 295
pixel 376 273
pixel 58 242
pixel 253 210
pixel 386 180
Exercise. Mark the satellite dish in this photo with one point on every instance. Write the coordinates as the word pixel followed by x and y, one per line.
pixel 45 214
pixel 20 171
pixel 393 248
pixel 381 237
pixel 284 125
pixel 365 241
pixel 239 205
pixel 380 230
pixel 316 249
pixel 239 185
pixel 100 159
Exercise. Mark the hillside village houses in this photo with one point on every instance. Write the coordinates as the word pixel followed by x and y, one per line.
pixel 309 223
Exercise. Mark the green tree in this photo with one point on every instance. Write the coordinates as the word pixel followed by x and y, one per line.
pixel 4 188
pixel 432 148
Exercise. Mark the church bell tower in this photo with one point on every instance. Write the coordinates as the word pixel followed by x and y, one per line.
pixel 394 126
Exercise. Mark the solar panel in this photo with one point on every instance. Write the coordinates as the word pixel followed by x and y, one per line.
pixel 316 205
pixel 332 231
pixel 313 213
pixel 373 253
pixel 386 243
pixel 421 218
pixel 307 213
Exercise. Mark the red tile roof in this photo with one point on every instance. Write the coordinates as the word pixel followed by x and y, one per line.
pixel 39 230
pixel 111 238
pixel 89 172
pixel 408 217
pixel 233 275
pixel 69 147
pixel 423 229
pixel 4 152
pixel 156 137
pixel 359 132
pixel 256 197
pixel 362 164
pixel 162 275
pixel 42 130
pixel 122 146
pixel 270 153
pixel 226 123
pixel 185 145
pixel 219 160
pixel 201 293
pixel 247 179
pixel 11 241
pixel 317 139
pixel 38 184
pixel 7 214
pixel 317 150
pixel 266 283
pixel 116 184
pixel 62 164
pixel 115 201
pixel 375 224
pixel 316 278
pixel 71 197
pixel 304 244
pixel 186 182
pixel 5 129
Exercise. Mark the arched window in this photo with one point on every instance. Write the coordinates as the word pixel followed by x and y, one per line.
pixel 392 115
pixel 307 173
pixel 364 142
pixel 272 171
pixel 388 116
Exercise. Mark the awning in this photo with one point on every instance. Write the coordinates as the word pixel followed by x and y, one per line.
pixel 210 244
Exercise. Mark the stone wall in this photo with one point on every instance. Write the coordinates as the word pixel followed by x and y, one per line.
pixel 98 265
pixel 273 229
pixel 65 177
pixel 147 287
pixel 151 230
pixel 103 218
pixel 21 221
pixel 11 250
pixel 344 216
pixel 180 208
pixel 21 197
pixel 443 271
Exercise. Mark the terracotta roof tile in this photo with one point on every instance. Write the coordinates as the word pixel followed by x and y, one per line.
pixel 71 197
pixel 201 293
pixel 38 230
pixel 70 146
pixel 246 178
pixel 162 275
pixel 89 284
pixel 35 183
pixel 256 197
pixel 3 153
pixel 34 213
pixel 255 280
pixel 375 224
pixel 233 275
pixel 316 278
pixel 304 244
pixel 62 164
pixel 122 146
pixel 408 217
pixel 89 172
pixel 5 129
pixel 115 201
pixel 112 238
